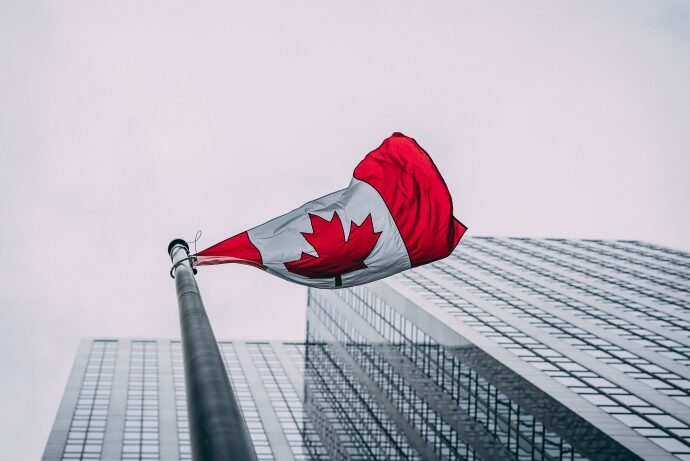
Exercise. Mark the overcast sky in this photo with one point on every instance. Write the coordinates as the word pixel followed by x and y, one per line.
pixel 125 124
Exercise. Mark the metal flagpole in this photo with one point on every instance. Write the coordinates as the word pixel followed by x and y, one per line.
pixel 216 426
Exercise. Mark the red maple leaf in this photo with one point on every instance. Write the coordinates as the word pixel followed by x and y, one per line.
pixel 336 256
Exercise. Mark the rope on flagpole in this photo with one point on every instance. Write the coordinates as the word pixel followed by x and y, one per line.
pixel 197 236
pixel 191 259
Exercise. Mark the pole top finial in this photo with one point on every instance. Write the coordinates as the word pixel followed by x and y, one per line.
pixel 176 242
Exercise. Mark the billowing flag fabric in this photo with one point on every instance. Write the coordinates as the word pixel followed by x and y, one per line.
pixel 396 214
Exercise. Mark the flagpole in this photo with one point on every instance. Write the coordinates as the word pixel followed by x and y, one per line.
pixel 217 429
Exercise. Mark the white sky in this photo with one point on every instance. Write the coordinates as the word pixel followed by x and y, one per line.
pixel 126 124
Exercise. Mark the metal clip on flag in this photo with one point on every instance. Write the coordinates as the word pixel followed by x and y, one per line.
pixel 396 214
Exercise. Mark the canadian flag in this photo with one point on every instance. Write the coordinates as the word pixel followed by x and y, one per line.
pixel 396 214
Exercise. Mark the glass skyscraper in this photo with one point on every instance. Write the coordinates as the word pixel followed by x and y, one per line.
pixel 125 400
pixel 510 349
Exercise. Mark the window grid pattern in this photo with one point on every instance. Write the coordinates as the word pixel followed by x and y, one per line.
pixel 632 365
pixel 246 402
pixel 296 352
pixel 625 262
pixel 378 437
pixel 302 439
pixel 677 260
pixel 649 421
pixel 626 305
pixel 521 433
pixel 141 437
pixel 183 439
pixel 624 278
pixel 667 347
pixel 629 331
pixel 644 418
pixel 87 428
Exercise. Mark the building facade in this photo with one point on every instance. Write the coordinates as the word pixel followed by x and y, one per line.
pixel 510 349
pixel 125 400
